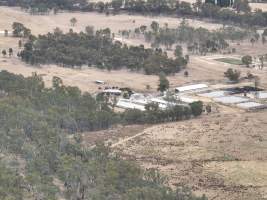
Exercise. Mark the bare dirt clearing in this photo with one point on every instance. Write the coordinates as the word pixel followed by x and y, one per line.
pixel 112 135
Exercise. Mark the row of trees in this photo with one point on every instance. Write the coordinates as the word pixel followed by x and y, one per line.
pixel 44 6
pixel 155 115
pixel 97 49
pixel 34 125
pixel 72 110
pixel 241 14
pixel 197 40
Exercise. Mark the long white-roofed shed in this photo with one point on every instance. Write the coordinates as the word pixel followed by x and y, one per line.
pixel 128 104
pixel 191 88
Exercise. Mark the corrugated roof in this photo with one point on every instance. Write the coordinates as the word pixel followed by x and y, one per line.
pixel 127 104
pixel 250 105
pixel 191 87
pixel 187 99
pixel 113 91
pixel 213 94
pixel 261 95
pixel 231 99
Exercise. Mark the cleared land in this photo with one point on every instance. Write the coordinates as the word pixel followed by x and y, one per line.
pixel 223 154
pixel 262 6
pixel 199 68
pixel 42 24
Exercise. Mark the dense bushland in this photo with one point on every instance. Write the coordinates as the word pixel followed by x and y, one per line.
pixel 35 124
pixel 97 49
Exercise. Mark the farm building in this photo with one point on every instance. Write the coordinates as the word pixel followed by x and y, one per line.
pixel 162 103
pixel 230 99
pixel 140 103
pixel 221 3
pixel 100 82
pixel 139 98
pixel 191 88
pixel 112 92
pixel 251 105
pixel 214 94
pixel 128 104
pixel 186 99
pixel 261 95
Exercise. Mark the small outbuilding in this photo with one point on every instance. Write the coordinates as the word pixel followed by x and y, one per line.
pixel 113 92
pixel 100 82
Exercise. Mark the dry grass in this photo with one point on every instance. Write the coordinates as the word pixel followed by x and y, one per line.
pixel 199 68
pixel 43 24
pixel 84 78
pixel 262 6
pixel 223 155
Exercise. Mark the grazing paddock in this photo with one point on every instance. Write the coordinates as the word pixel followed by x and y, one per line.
pixel 232 61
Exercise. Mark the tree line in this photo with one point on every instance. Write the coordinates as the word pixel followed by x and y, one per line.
pixel 97 48
pixel 241 14
pixel 35 124
pixel 198 40
pixel 73 110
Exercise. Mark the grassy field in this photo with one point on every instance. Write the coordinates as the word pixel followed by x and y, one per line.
pixel 222 155
pixel 232 61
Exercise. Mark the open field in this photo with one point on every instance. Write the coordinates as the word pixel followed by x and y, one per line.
pixel 199 69
pixel 43 24
pixel 262 6
pixel 223 155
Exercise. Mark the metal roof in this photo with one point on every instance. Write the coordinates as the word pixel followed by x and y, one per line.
pixel 127 104
pixel 261 95
pixel 112 91
pixel 251 105
pixel 231 99
pixel 213 94
pixel 191 87
pixel 187 99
